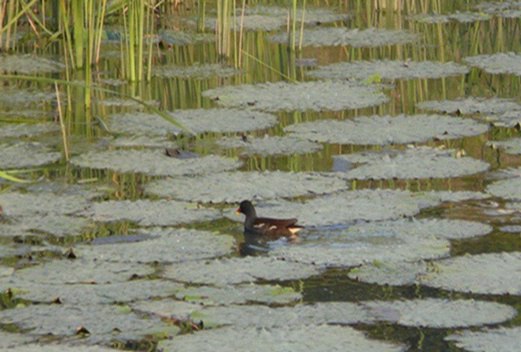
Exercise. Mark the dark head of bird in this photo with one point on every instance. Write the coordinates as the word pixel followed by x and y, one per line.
pixel 246 208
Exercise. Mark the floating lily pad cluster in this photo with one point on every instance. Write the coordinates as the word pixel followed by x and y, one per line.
pixel 389 70
pixel 382 130
pixel 336 36
pixel 421 162
pixel 270 145
pixel 201 71
pixel 506 9
pixel 28 154
pixel 314 96
pixel 462 17
pixel 499 63
pixel 27 130
pixel 511 146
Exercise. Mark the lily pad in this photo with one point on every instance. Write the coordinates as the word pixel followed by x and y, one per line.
pixel 143 141
pixel 237 186
pixel 29 64
pixel 91 294
pixel 471 105
pixel 497 340
pixel 9 341
pixel 507 189
pixel 349 206
pixel 197 120
pixel 283 96
pixel 417 162
pixel 461 17
pixel 442 313
pixel 26 154
pixel 271 145
pixel 20 98
pixel 239 294
pixel 439 228
pixel 55 347
pixel 54 224
pixel 338 36
pixel 166 245
pixel 180 38
pixel 506 9
pixel 81 271
pixel 149 213
pixel 200 71
pixel 511 146
pixel 222 272
pixel 296 339
pixel 390 70
pixel 104 322
pixel 253 22
pixel 26 130
pixel 382 130
pixel 489 273
pixel 17 204
pixel 499 63
pixel 345 251
pixel 5 271
pixel 153 162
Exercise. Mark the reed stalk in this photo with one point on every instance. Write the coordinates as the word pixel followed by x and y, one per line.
pixel 62 124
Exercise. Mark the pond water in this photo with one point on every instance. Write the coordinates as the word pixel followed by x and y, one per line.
pixel 390 129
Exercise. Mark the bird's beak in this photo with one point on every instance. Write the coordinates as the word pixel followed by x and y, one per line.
pixel 238 211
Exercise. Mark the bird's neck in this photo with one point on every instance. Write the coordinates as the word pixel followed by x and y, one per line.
pixel 250 219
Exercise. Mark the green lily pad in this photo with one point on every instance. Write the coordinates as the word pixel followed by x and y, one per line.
pixel 149 213
pixel 82 271
pixel 166 245
pixel 29 64
pixel 283 96
pixel 338 36
pixel 26 154
pixel 489 273
pixel 56 347
pixel 180 38
pixel 509 188
pixel 89 294
pixel 271 145
pixel 511 146
pixel 349 206
pixel 345 251
pixel 382 130
pixel 14 97
pixel 498 340
pixel 506 9
pixel 237 186
pixel 5 271
pixel 390 70
pixel 153 162
pixel 143 141
pixel 197 120
pixel 239 294
pixel 499 63
pixel 471 105
pixel 287 338
pixel 8 341
pixel 416 162
pixel 461 17
pixel 17 204
pixel 439 228
pixel 104 322
pixel 222 272
pixel 443 313
pixel 54 224
pixel 198 71
pixel 27 130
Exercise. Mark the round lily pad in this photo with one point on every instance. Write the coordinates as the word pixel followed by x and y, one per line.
pixel 511 146
pixel 26 154
pixel 165 245
pixel 462 17
pixel 17 204
pixel 153 162
pixel 149 213
pixel 440 228
pixel 81 271
pixel 26 130
pixel 221 272
pixel 420 162
pixel 382 130
pixel 338 36
pixel 104 322
pixel 287 338
pixel 200 71
pixel 89 294
pixel 499 63
pixel 239 294
pixel 489 273
pixel 471 105
pixel 29 64
pixel 506 9
pixel 271 145
pixel 197 120
pixel 390 70
pixel 284 96
pixel 507 189
pixel 346 207
pixel 57 347
pixel 143 141
pixel 14 97
pixel 237 186
pixel 442 313
pixel 8 341
pixel 345 251
pixel 54 224
pixel 253 22
pixel 497 340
